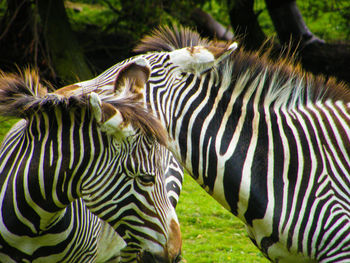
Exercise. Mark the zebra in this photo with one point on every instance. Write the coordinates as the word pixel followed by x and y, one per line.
pixel 109 244
pixel 267 140
pixel 74 160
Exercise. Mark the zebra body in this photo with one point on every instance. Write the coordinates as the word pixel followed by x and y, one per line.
pixel 273 148
pixel 266 140
pixel 73 153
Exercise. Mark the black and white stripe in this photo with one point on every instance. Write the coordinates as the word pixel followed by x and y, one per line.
pixel 268 141
pixel 268 147
pixel 57 167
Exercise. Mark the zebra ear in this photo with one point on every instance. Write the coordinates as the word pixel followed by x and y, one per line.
pixel 96 106
pixel 132 77
pixel 110 119
pixel 198 59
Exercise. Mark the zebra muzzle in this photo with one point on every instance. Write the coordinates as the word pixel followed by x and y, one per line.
pixel 148 257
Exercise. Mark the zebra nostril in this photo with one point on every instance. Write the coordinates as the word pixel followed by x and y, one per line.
pixel 178 258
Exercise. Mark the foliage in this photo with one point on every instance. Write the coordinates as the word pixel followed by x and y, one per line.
pixel 328 19
pixel 217 9
pixel 134 18
pixel 107 30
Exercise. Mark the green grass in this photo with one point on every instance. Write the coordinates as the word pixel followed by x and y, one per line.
pixel 5 125
pixel 210 233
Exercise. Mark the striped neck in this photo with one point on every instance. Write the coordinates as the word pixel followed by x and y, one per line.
pixel 62 144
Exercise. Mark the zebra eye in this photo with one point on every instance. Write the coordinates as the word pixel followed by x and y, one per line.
pixel 147 179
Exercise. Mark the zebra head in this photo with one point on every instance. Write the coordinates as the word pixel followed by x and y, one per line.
pixel 105 149
pixel 136 204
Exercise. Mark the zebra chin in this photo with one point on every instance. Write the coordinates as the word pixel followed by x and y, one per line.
pixel 153 251
pixel 148 257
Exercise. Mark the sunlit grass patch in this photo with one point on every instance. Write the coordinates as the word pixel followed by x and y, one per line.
pixel 210 233
pixel 5 125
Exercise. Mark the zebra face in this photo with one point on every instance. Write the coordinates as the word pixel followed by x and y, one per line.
pixel 160 233
pixel 131 195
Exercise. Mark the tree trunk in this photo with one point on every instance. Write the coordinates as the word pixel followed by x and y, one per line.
pixel 245 23
pixel 15 32
pixel 63 49
pixel 209 27
pixel 289 23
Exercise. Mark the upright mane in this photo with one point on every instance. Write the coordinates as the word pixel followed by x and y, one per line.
pixel 167 38
pixel 286 81
pixel 303 86
pixel 22 95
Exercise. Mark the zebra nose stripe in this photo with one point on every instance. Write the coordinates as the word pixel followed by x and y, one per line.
pixel 174 241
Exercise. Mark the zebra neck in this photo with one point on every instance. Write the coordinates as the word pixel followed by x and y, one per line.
pixel 53 156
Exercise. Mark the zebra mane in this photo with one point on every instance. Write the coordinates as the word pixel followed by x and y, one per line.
pixel 285 81
pixel 140 118
pixel 22 95
pixel 167 38
pixel 292 84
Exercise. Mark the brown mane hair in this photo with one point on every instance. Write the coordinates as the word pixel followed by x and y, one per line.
pixel 170 38
pixel 140 118
pixel 315 87
pixel 22 95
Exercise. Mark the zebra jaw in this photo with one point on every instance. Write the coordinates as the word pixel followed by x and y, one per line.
pixel 198 59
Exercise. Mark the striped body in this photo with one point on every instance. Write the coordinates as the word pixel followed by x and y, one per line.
pixel 267 141
pixel 60 170
pixel 275 158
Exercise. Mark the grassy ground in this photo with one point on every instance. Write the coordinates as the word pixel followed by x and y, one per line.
pixel 210 233
pixel 5 125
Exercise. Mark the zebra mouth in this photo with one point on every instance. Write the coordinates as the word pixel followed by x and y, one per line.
pixel 148 257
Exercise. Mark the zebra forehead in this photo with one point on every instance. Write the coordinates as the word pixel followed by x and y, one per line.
pixel 67 91
pixel 189 58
